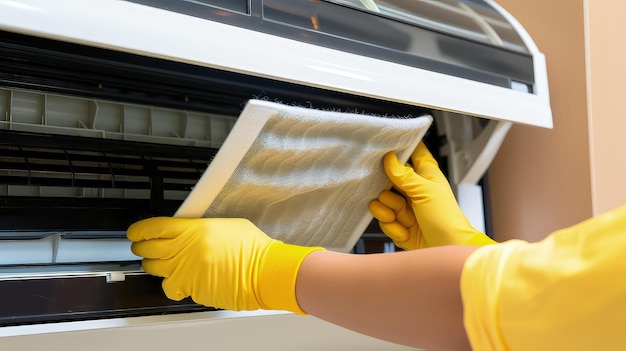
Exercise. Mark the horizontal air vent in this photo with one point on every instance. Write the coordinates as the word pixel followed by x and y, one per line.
pixel 70 163
pixel 67 183
pixel 64 172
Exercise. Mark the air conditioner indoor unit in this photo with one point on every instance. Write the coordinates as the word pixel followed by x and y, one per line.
pixel 110 111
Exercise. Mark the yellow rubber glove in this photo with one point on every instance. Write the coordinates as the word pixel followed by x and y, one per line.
pixel 428 215
pixel 221 262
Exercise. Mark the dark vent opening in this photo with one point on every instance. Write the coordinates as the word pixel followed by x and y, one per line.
pixel 55 182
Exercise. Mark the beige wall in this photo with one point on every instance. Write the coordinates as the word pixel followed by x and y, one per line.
pixel 543 180
pixel 607 93
pixel 540 179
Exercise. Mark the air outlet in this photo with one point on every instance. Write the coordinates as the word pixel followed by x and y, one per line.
pixel 56 182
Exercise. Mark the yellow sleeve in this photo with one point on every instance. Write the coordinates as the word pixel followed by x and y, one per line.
pixel 567 292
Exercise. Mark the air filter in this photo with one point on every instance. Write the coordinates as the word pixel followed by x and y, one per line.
pixel 303 176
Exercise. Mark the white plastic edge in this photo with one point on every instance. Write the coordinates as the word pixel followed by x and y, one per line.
pixel 483 150
pixel 215 178
pixel 48 328
pixel 115 25
pixel 470 199
pixel 539 60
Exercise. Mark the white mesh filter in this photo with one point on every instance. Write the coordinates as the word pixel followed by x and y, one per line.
pixel 303 176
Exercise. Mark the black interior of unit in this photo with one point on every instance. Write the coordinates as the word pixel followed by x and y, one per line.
pixel 84 298
pixel 80 162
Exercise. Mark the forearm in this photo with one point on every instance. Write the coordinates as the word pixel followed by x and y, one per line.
pixel 412 298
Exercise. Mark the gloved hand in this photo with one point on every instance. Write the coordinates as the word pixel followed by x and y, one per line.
pixel 428 214
pixel 221 262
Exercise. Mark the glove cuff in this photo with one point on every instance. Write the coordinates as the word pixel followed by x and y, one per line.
pixel 480 239
pixel 276 279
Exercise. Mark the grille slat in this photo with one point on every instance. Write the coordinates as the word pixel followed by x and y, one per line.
pixel 36 162
pixel 116 182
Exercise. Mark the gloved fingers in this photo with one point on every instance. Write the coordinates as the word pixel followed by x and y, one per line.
pixel 161 248
pixel 406 217
pixel 157 248
pixel 425 164
pixel 421 152
pixel 395 231
pixel 392 200
pixel 391 207
pixel 381 212
pixel 159 268
pixel 174 289
pixel 403 177
pixel 158 228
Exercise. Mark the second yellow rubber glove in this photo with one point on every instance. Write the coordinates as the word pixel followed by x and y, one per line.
pixel 428 214
pixel 221 262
